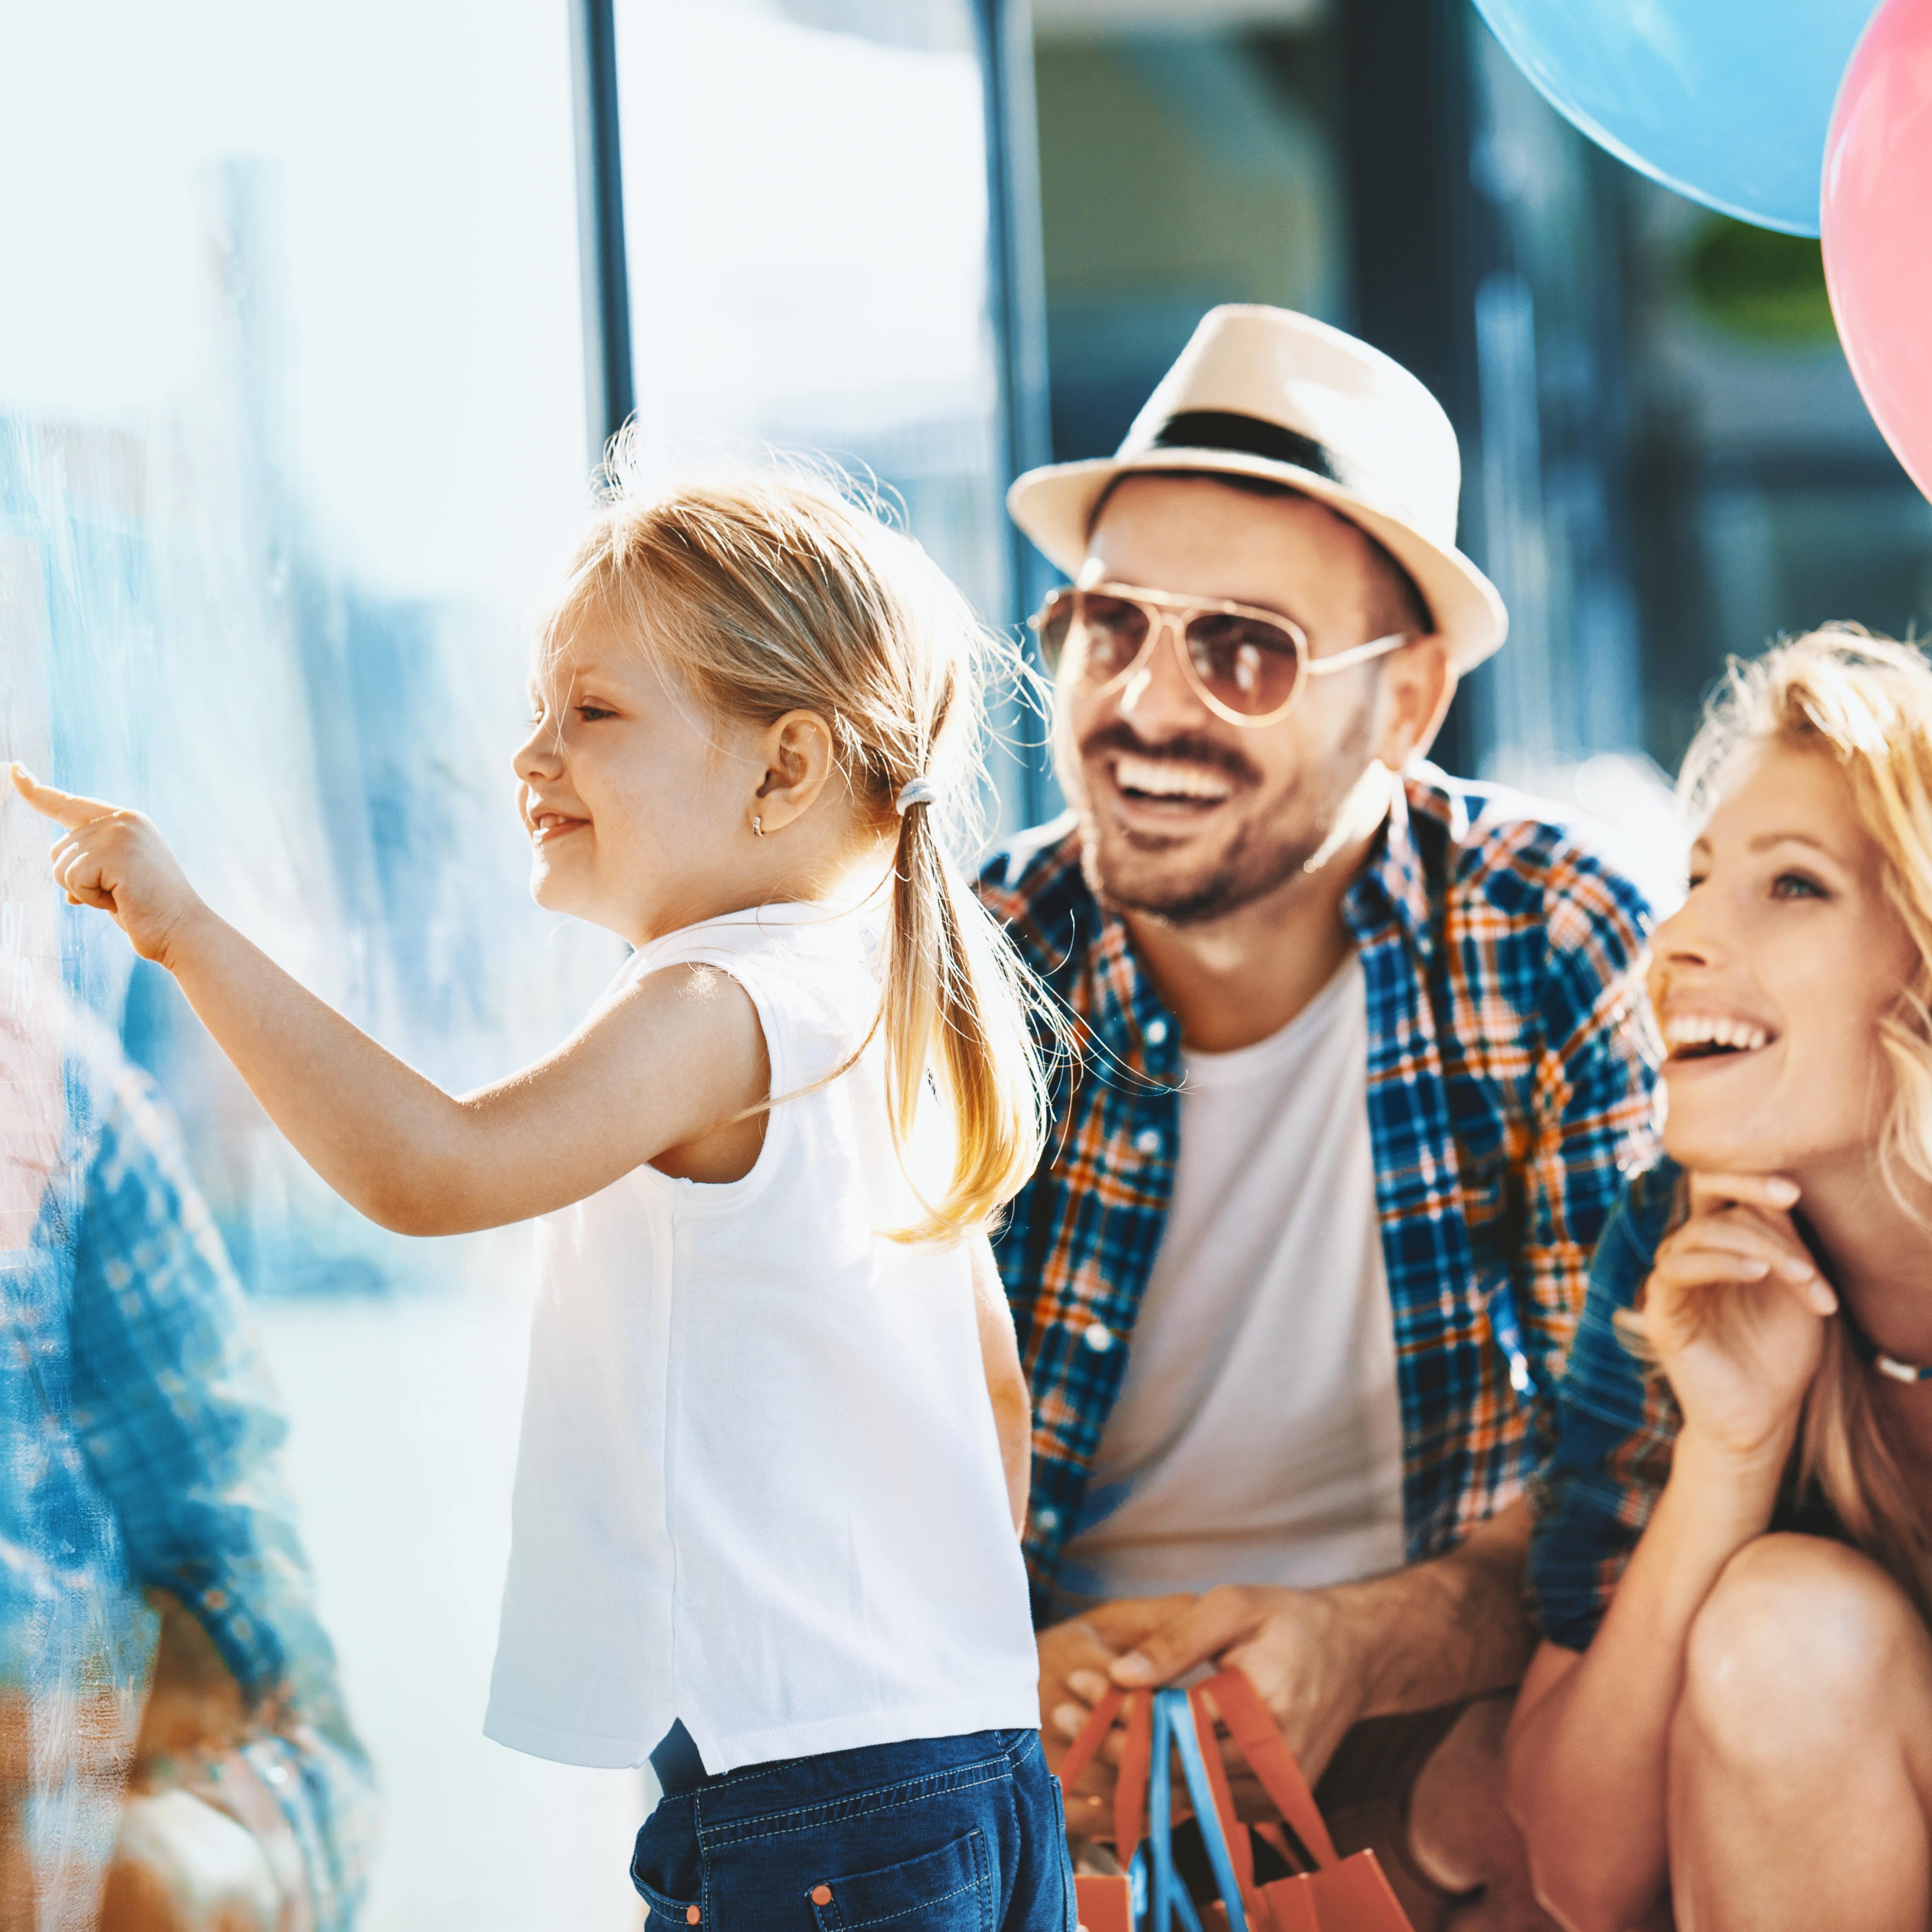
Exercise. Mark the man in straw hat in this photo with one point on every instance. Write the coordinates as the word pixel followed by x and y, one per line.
pixel 1365 1052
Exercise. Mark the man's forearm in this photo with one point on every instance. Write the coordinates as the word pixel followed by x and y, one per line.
pixel 1452 1627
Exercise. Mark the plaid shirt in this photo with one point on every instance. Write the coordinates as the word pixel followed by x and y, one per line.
pixel 1510 1063
pixel 145 1438
pixel 1618 1424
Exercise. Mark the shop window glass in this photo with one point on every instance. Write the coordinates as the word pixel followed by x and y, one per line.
pixel 291 438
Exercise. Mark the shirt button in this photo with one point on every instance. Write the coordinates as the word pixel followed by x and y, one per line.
pixel 1046 1520
pixel 1148 1140
pixel 1156 1032
pixel 1100 1338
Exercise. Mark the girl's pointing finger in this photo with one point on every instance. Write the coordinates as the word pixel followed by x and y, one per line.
pixel 63 807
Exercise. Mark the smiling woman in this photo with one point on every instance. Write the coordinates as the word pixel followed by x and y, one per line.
pixel 1732 1559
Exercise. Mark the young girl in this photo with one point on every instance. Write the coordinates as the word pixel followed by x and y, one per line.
pixel 1730 1722
pixel 775 1443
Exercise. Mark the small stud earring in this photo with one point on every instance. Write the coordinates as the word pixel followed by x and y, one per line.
pixel 758 826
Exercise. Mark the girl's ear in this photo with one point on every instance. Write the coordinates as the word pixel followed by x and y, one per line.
pixel 797 750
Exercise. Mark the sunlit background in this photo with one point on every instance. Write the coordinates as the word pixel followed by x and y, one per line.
pixel 307 340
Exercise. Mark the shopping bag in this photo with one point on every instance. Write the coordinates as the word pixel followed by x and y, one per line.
pixel 1333 1894
pixel 1106 1902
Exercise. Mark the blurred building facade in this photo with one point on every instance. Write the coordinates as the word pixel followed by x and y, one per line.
pixel 1665 459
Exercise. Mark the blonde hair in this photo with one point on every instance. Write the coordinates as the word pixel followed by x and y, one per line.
pixel 1866 703
pixel 772 592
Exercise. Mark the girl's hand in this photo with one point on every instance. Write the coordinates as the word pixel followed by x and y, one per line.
pixel 1734 1311
pixel 116 861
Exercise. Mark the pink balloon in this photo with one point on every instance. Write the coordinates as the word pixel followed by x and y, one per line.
pixel 1876 222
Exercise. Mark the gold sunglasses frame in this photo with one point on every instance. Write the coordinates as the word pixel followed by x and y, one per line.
pixel 1167 613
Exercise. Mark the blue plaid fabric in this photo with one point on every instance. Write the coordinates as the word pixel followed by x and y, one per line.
pixel 1595 1495
pixel 1511 1061
pixel 144 1440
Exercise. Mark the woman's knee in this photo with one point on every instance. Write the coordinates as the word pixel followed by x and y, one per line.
pixel 1799 1636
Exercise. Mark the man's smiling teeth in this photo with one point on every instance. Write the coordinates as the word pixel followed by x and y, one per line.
pixel 1162 778
pixel 1685 1030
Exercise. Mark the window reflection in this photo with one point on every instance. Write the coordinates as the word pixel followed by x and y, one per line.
pixel 805 192
pixel 291 437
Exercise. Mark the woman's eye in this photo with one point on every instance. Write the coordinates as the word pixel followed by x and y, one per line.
pixel 1696 880
pixel 1797 886
pixel 590 713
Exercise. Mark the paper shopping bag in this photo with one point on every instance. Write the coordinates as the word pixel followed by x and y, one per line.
pixel 1337 1894
pixel 1334 1894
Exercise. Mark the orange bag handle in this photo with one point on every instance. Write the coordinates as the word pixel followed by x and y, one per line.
pixel 1253 1726
pixel 1130 1788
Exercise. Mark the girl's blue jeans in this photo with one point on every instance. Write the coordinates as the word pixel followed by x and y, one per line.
pixel 937 1835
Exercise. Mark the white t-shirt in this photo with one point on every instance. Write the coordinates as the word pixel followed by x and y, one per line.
pixel 760 1486
pixel 1257 1437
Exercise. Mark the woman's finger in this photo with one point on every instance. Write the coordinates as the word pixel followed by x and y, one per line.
pixel 1746 1233
pixel 1683 1274
pixel 1712 1193
pixel 1815 1294
pixel 1694 1267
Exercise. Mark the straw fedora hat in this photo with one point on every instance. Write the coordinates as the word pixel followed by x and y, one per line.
pixel 1266 392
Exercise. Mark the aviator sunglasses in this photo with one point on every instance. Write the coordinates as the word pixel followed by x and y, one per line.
pixel 1246 664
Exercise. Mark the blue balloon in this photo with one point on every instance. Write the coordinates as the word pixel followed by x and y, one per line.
pixel 1726 101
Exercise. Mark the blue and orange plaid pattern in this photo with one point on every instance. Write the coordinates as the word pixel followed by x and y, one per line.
pixel 1511 1060
pixel 1617 1423
pixel 144 1452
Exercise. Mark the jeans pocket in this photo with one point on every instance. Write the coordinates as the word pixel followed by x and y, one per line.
pixel 662 1913
pixel 950 1890
pixel 666 1867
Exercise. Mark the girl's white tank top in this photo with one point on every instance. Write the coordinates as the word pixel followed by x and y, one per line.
pixel 759 1487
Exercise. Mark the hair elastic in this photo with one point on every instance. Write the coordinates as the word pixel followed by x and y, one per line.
pixel 920 791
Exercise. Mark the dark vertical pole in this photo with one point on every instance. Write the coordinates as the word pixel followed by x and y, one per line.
pixel 1421 236
pixel 1016 286
pixel 610 392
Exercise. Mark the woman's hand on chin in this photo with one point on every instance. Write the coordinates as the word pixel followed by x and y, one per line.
pixel 1734 1313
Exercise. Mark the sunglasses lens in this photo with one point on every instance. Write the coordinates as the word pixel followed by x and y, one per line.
pixel 1054 621
pixel 1102 635
pixel 1250 666
pixel 1109 633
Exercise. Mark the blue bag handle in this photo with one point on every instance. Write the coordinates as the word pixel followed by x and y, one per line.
pixel 1173 1730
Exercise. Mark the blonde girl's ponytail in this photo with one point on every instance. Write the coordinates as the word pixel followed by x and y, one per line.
pixel 774 592
pixel 955 1003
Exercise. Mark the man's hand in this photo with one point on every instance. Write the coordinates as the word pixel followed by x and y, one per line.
pixel 1310 1662
pixel 1437 1633
pixel 1074 1657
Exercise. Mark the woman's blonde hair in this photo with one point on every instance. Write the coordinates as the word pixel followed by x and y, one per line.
pixel 1866 703
pixel 775 591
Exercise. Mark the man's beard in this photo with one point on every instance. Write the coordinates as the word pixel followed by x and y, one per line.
pixel 1251 866
pixel 1242 875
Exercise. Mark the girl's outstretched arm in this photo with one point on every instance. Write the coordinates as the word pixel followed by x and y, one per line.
pixel 667 1066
